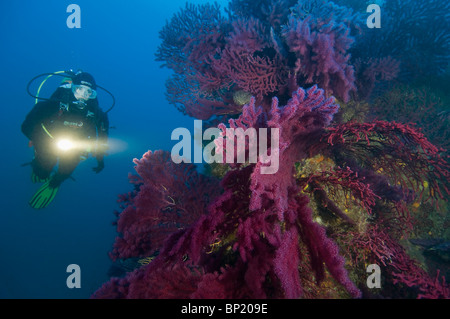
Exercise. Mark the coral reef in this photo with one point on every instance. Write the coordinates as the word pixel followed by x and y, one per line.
pixel 249 242
pixel 418 105
pixel 169 197
pixel 356 179
pixel 415 33
pixel 265 48
pixel 269 48
pixel 270 214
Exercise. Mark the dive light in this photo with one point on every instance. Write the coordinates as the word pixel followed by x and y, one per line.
pixel 65 144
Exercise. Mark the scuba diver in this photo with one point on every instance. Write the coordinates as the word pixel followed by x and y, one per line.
pixel 63 131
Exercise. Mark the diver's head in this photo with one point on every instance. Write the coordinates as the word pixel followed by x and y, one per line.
pixel 84 87
pixel 84 78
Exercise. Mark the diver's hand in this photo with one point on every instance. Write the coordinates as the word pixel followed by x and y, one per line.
pixel 100 166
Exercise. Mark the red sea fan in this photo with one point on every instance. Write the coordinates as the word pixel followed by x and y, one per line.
pixel 170 198
pixel 249 240
pixel 400 151
pixel 373 71
pixel 321 55
pixel 375 245
pixel 241 64
pixel 214 58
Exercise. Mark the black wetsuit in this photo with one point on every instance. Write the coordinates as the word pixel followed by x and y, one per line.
pixel 61 117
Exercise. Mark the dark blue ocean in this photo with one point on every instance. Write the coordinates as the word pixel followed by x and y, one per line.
pixel 116 43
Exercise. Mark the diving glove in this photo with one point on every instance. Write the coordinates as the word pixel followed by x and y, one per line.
pixel 100 164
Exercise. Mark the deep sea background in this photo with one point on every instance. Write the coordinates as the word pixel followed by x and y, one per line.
pixel 116 44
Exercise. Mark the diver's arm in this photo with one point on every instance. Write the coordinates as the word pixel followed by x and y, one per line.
pixel 102 125
pixel 36 116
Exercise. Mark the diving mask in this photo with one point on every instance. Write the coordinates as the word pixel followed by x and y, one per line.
pixel 83 92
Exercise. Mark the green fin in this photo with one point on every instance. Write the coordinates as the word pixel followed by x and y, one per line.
pixel 37 179
pixel 44 196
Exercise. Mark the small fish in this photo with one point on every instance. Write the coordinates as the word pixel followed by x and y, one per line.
pixel 426 243
pixel 121 267
pixel 444 115
pixel 443 247
pixel 434 247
